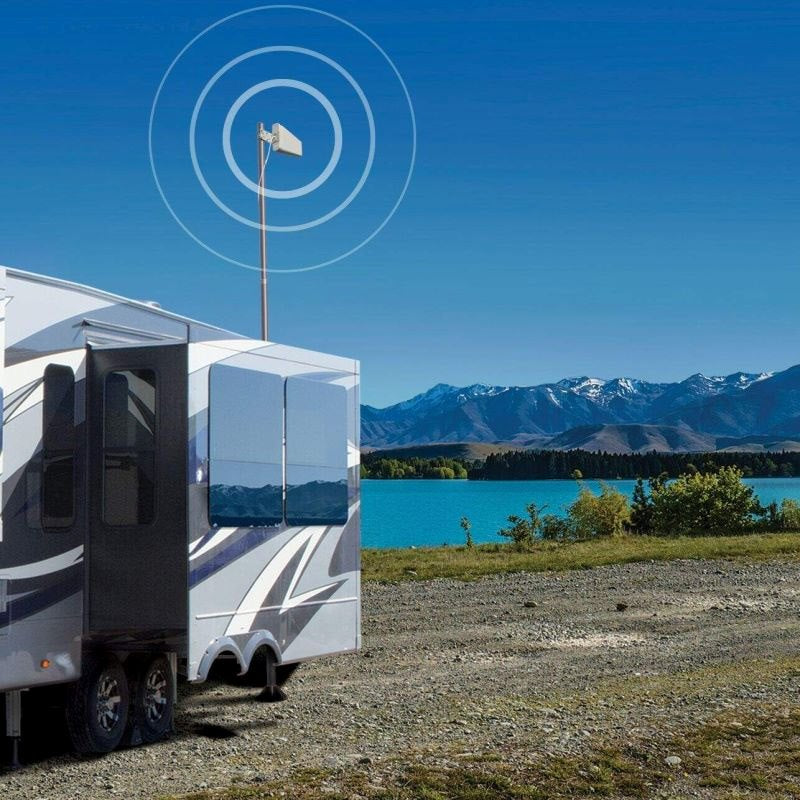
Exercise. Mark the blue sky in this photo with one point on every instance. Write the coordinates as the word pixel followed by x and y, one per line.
pixel 600 188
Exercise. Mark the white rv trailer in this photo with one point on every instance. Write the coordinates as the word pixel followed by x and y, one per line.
pixel 173 495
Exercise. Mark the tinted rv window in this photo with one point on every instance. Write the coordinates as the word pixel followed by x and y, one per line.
pixel 129 438
pixel 316 453
pixel 58 448
pixel 245 447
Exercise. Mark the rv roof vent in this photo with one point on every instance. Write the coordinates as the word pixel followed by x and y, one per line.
pixel 152 303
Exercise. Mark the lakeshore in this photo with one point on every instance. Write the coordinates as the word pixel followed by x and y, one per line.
pixel 426 513
pixel 463 563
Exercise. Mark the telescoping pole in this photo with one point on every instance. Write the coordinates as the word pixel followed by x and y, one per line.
pixel 262 231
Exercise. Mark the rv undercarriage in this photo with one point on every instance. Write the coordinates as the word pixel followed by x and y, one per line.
pixel 120 699
pixel 124 699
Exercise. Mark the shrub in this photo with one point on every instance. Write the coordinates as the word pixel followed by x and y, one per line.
pixel 523 531
pixel 592 515
pixel 789 515
pixel 466 526
pixel 704 503
pixel 771 519
pixel 557 529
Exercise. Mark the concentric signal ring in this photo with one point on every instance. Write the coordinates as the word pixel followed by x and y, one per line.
pixel 329 108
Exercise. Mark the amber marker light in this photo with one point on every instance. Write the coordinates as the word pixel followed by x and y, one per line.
pixel 44 663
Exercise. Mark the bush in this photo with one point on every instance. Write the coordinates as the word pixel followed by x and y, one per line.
pixel 466 526
pixel 789 515
pixel 606 514
pixel 771 518
pixel 704 503
pixel 557 529
pixel 523 531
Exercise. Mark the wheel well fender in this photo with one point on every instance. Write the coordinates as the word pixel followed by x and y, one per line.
pixel 225 644
pixel 257 640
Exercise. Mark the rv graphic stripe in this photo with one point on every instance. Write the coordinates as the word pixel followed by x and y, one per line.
pixel 301 546
pixel 46 567
pixel 219 560
pixel 20 608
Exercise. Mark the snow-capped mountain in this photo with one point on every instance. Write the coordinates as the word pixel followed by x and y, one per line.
pixel 740 404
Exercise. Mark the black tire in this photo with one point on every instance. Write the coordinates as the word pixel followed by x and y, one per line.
pixel 152 706
pixel 97 706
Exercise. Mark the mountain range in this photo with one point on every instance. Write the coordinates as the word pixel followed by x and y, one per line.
pixel 743 411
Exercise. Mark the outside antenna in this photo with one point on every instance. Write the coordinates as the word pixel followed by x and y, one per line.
pixel 282 141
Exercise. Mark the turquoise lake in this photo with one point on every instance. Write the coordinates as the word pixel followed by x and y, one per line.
pixel 417 513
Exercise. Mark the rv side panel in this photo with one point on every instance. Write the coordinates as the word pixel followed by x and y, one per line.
pixel 274 532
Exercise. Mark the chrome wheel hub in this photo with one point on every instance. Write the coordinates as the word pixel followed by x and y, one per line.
pixel 155 696
pixel 109 701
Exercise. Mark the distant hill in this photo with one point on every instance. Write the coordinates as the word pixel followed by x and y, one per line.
pixel 622 415
pixel 758 444
pixel 606 438
pixel 468 451
pixel 633 439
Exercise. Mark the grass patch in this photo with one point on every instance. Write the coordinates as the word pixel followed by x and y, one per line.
pixel 463 563
pixel 609 772
pixel 755 754
pixel 659 691
pixel 758 754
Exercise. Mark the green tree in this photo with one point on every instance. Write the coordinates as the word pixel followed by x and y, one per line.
pixel 658 483
pixel 577 475
pixel 641 521
pixel 459 470
pixel 705 503
pixel 772 467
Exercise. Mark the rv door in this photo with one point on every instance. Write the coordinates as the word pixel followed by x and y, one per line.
pixel 137 539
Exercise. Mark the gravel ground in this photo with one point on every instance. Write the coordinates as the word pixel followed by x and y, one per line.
pixel 543 660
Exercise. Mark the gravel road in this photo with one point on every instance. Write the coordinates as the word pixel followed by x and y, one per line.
pixel 546 660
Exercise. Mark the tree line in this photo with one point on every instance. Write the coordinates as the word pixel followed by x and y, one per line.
pixel 543 464
pixel 373 466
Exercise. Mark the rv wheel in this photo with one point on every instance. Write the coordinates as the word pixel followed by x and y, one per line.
pixel 152 699
pixel 97 707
